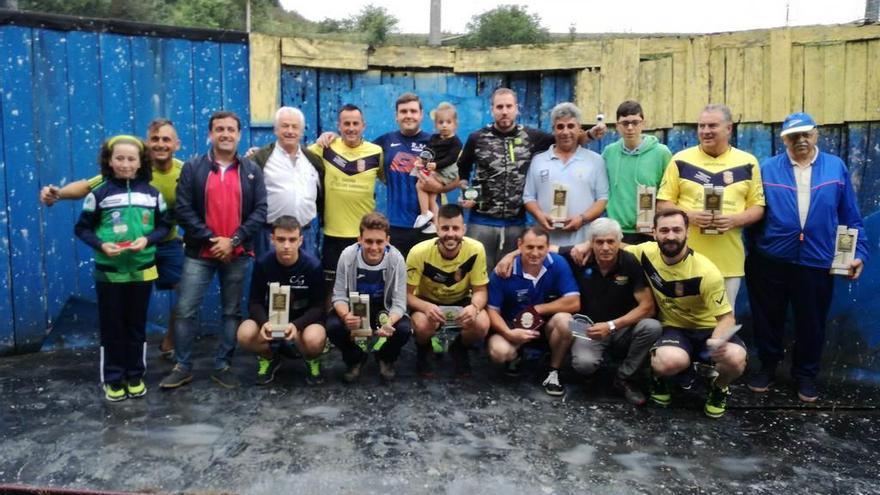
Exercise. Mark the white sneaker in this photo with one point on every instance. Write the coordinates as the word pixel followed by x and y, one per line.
pixel 552 385
pixel 423 220
pixel 430 229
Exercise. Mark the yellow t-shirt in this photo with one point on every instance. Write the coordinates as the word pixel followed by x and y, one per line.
pixel 166 184
pixel 735 170
pixel 349 185
pixel 690 294
pixel 446 281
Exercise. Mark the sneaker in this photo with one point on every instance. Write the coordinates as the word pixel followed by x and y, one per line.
pixel 660 394
pixel 225 378
pixel 806 390
pixel 314 367
pixel 461 359
pixel 266 369
pixel 354 371
pixel 422 220
pixel 761 381
pixel 513 368
pixel 686 379
pixel 716 401
pixel 630 392
pixel 424 367
pixel 552 385
pixel 176 378
pixel 380 342
pixel 429 229
pixel 136 389
pixel 386 371
pixel 114 392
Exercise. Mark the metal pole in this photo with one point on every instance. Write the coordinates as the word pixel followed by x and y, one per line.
pixel 434 33
pixel 247 16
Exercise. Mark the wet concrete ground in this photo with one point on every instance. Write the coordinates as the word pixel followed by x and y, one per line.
pixel 488 434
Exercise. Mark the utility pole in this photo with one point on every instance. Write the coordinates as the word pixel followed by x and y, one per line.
pixel 434 33
pixel 247 16
pixel 872 11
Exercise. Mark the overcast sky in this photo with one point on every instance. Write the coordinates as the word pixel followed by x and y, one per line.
pixel 591 16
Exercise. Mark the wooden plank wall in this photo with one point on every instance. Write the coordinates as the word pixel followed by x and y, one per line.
pixel 63 94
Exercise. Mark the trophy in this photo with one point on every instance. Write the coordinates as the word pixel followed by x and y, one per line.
pixel 713 200
pixel 359 305
pixel 426 157
pixel 528 319
pixel 382 319
pixel 559 210
pixel 578 325
pixel 279 309
pixel 450 328
pixel 844 250
pixel 645 209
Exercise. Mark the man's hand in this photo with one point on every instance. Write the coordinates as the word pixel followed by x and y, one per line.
pixel 290 332
pixel 49 195
pixel 386 330
pixel 504 267
pixel 138 244
pixel 251 152
pixel 352 321
pixel 856 266
pixel 468 315
pixel 702 219
pixel 435 315
pixel 545 221
pixel 111 249
pixel 597 132
pixel 581 253
pixel 266 332
pixel 721 352
pixel 519 336
pixel 724 222
pixel 222 248
pixel 326 138
pixel 466 203
pixel 599 331
pixel 574 223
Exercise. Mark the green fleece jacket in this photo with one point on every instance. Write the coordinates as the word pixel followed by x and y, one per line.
pixel 627 170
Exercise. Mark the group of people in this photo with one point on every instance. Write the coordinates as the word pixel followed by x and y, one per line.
pixel 573 272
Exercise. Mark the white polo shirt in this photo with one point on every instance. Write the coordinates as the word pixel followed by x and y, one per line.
pixel 291 186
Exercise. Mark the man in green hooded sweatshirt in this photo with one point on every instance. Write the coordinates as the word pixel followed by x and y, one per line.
pixel 633 160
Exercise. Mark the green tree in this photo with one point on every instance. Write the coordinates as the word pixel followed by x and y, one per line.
pixel 375 22
pixel 505 25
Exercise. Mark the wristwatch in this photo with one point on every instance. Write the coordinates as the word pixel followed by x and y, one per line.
pixel 612 326
pixel 236 241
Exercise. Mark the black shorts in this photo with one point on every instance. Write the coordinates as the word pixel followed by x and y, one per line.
pixel 691 341
pixel 331 250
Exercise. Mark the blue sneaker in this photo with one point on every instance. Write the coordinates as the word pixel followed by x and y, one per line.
pixel 761 381
pixel 807 390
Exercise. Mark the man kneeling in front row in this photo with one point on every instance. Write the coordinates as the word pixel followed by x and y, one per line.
pixel 287 265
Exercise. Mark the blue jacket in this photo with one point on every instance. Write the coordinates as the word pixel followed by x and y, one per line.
pixel 190 207
pixel 832 202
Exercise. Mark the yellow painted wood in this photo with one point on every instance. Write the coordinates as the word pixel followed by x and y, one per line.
pixel 412 56
pixel 663 46
pixel 324 54
pixel 265 77
pixel 587 96
pixel 814 82
pixel 753 89
pixel 833 34
pixel 835 82
pixel 697 78
pixel 778 72
pixel 679 86
pixel 797 79
pixel 735 82
pixel 620 73
pixel 661 116
pixel 856 76
pixel 555 56
pixel 647 87
pixel 872 93
pixel 741 39
pixel 716 75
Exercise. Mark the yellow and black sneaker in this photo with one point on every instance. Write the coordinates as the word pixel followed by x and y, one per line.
pixel 716 401
pixel 136 389
pixel 114 392
pixel 660 394
pixel 314 376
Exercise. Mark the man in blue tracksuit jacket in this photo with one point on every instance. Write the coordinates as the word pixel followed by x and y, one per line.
pixel 808 194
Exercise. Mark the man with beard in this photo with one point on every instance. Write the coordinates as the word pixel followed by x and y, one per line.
pixel 694 310
pixel 162 143
pixel 447 271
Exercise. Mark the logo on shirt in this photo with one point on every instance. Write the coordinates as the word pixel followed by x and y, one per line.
pixel 621 280
pixel 727 177
pixel 394 145
pixel 298 281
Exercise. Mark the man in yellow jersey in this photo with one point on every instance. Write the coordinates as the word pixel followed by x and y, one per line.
pixel 162 142
pixel 448 271
pixel 693 308
pixel 715 162
pixel 351 167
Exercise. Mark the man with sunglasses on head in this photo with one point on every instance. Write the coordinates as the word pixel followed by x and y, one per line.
pixel 571 172
pixel 633 160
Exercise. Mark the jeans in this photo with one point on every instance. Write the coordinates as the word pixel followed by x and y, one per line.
pixel 194 282
pixel 634 341
pixel 498 241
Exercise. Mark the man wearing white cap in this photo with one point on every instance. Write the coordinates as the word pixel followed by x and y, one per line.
pixel 808 194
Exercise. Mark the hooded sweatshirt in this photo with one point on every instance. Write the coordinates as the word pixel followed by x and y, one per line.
pixel 627 170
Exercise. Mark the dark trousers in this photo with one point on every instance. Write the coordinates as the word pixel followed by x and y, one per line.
pixel 122 313
pixel 352 354
pixel 772 287
pixel 404 238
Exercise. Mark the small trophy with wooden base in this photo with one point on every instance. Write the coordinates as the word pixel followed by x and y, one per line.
pixel 359 305
pixel 528 319
pixel 559 209
pixel 713 201
pixel 646 208
pixel 844 250
pixel 279 309
pixel 450 328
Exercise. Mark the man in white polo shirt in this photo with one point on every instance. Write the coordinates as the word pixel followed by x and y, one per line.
pixel 293 177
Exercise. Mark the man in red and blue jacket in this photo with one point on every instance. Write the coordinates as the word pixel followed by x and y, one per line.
pixel 808 194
